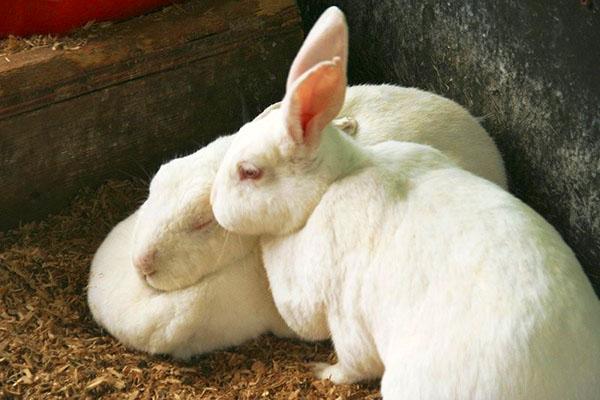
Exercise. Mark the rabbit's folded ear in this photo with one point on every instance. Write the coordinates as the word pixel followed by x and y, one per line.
pixel 316 84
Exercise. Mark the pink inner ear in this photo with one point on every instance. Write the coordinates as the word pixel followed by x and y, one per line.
pixel 316 84
pixel 304 120
pixel 327 39
pixel 314 100
pixel 201 225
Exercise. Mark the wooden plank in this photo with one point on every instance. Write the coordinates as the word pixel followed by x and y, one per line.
pixel 156 86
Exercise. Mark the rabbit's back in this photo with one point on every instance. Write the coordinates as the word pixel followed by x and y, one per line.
pixel 388 112
pixel 462 287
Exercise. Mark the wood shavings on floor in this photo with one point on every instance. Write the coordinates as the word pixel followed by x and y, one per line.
pixel 50 347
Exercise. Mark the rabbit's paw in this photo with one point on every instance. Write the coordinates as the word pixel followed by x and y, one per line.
pixel 335 373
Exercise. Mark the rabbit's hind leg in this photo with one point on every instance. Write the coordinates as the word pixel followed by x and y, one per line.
pixel 358 359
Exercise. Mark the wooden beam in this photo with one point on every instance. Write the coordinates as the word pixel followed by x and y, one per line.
pixel 154 87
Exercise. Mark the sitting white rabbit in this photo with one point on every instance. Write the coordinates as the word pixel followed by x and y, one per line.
pixel 175 244
pixel 425 274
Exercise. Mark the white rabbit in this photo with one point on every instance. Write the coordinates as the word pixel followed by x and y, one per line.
pixel 164 246
pixel 223 297
pixel 230 303
pixel 425 274
pixel 175 244
pixel 223 309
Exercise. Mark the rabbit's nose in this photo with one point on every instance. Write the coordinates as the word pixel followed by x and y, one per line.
pixel 145 263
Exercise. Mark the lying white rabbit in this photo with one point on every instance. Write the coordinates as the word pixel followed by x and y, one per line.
pixel 229 304
pixel 175 244
pixel 435 279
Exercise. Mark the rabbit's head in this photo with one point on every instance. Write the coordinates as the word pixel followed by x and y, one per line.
pixel 176 241
pixel 278 167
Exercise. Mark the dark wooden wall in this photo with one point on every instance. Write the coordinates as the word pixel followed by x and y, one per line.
pixel 530 67
pixel 144 91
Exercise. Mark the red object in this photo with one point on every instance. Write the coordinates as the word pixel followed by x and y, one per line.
pixel 27 17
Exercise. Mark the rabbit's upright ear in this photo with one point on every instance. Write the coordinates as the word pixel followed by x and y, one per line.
pixel 316 84
pixel 327 39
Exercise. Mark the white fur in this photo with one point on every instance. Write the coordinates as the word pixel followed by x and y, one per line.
pixel 179 193
pixel 387 112
pixel 179 200
pixel 223 309
pixel 436 279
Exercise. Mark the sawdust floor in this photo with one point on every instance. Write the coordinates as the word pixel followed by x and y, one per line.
pixel 51 348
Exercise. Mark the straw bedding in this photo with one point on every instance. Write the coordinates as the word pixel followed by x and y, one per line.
pixel 51 348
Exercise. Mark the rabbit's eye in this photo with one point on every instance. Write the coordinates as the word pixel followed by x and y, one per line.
pixel 199 225
pixel 247 170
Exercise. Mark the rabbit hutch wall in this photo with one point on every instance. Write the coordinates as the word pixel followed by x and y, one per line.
pixel 113 101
